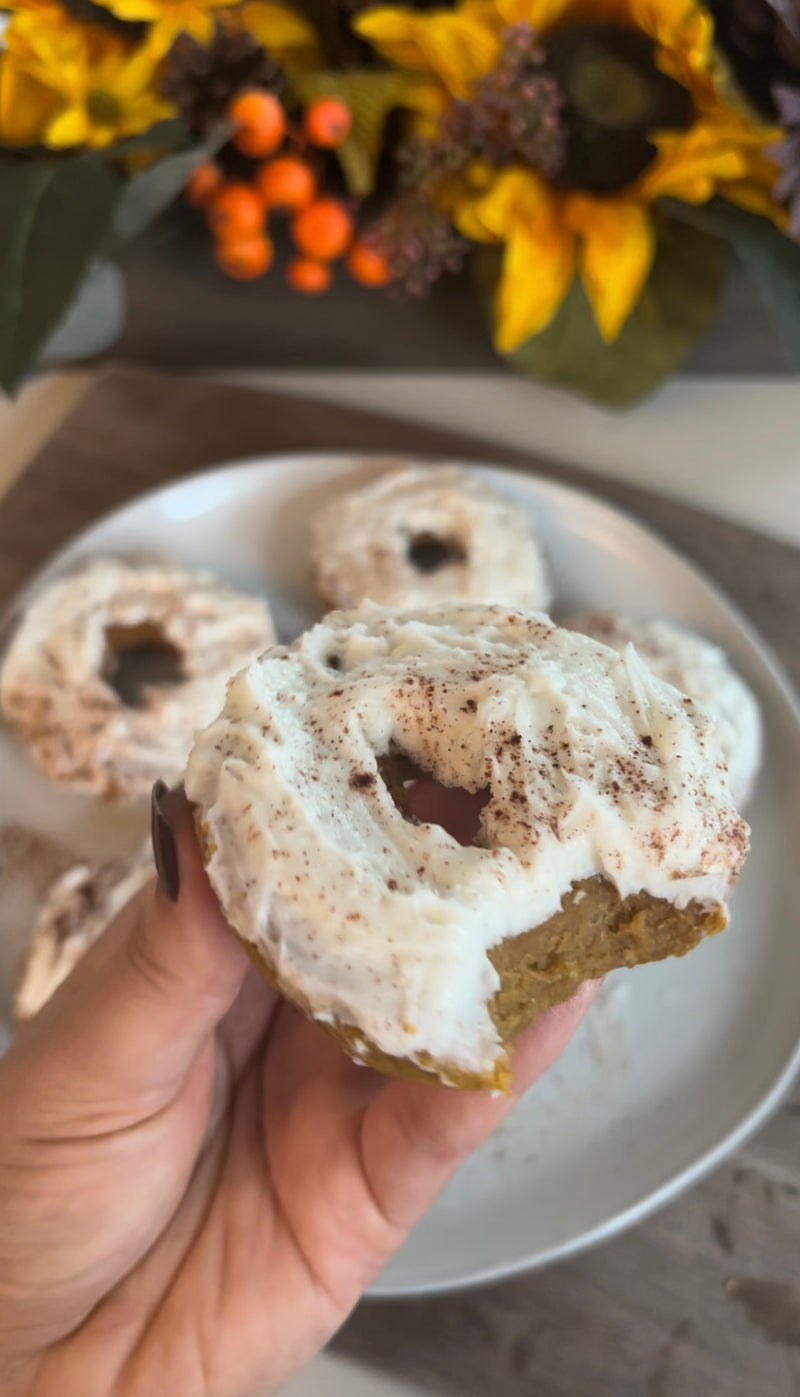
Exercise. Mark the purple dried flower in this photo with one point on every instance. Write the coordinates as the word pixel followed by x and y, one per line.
pixel 787 154
pixel 419 243
pixel 512 117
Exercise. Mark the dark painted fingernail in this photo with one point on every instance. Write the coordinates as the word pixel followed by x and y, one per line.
pixel 165 850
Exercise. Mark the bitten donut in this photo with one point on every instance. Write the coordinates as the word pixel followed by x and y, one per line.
pixel 607 831
pixel 698 669
pixel 74 914
pixel 56 684
pixel 425 536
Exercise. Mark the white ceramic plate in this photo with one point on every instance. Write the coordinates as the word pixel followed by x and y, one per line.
pixel 678 1062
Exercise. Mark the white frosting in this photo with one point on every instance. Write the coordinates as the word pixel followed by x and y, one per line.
pixel 698 669
pixel 594 766
pixel 53 684
pixel 74 914
pixel 360 543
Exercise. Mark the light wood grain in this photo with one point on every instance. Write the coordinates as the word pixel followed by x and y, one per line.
pixel 31 418
pixel 703 1300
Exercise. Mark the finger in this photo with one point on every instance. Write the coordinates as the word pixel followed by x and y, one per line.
pixel 314 1099
pixel 238 1037
pixel 247 1020
pixel 134 1014
pixel 355 1159
pixel 414 1135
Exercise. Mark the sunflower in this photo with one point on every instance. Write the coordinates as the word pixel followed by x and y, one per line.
pixel 64 83
pixel 552 231
pixel 27 102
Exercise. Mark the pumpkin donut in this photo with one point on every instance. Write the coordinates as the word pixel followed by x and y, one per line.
pixel 700 669
pixel 424 536
pixel 74 914
pixel 56 684
pixel 606 835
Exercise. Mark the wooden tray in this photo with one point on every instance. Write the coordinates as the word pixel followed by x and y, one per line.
pixel 702 1300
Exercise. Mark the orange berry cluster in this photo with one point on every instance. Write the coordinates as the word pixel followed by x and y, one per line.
pixel 238 211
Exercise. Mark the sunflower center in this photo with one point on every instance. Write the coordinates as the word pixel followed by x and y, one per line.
pixel 103 108
pixel 607 90
pixel 615 96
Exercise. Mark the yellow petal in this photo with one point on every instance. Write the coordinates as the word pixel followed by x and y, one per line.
pixel 616 251
pixel 394 34
pixel 145 111
pixel 539 260
pixel 136 9
pixel 185 15
pixel 195 22
pixel 71 128
pixel 51 50
pixel 457 46
pixel 26 105
pixel 683 31
pixel 535 278
pixel 540 14
pixel 689 165
pixel 280 29
pixel 125 74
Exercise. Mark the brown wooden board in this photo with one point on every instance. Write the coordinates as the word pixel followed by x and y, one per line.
pixel 704 1299
pixel 182 313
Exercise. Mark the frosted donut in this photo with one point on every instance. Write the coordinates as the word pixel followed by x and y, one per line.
pixel 702 671
pixel 74 914
pixel 607 831
pixel 425 536
pixel 56 682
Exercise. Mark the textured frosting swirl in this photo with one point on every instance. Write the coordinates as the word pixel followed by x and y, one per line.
pixel 700 669
pixel 589 763
pixel 425 536
pixel 55 684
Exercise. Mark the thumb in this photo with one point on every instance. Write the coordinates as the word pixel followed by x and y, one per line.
pixel 130 1020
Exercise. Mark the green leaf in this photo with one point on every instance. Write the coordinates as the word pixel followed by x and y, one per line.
pixel 53 214
pixel 771 257
pixel 676 306
pixel 94 319
pixel 370 95
pixel 148 194
pixel 167 136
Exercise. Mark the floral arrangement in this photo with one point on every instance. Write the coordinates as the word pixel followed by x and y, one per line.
pixel 590 163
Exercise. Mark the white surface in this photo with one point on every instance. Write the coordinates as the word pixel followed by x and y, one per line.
pixel 731 445
pixel 679 1061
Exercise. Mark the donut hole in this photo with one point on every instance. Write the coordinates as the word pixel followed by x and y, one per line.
pixel 333 661
pixel 139 658
pixel 429 552
pixel 422 799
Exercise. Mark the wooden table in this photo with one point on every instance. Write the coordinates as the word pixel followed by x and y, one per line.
pixel 703 1300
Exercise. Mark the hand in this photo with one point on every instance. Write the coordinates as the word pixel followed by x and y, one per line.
pixel 196 1185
